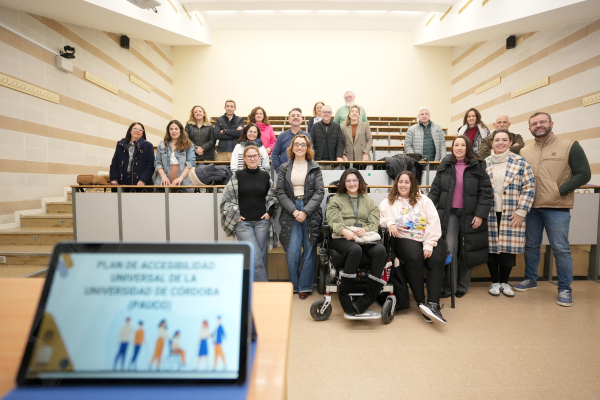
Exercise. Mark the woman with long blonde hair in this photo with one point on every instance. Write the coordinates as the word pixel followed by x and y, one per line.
pixel 200 132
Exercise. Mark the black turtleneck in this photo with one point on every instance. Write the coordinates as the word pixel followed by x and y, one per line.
pixel 253 185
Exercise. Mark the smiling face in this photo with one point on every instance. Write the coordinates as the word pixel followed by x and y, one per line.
pixel 252 133
pixel 540 126
pixel 354 114
pixel 471 118
pixel 230 108
pixel 352 184
pixel 459 148
pixel 319 108
pixel 137 132
pixel 259 116
pixel 199 114
pixel 252 158
pixel 404 185
pixel 174 131
pixel 299 147
pixel 349 98
pixel 501 142
pixel 502 122
pixel 326 114
pixel 295 118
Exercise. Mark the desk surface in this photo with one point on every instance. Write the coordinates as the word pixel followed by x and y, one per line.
pixel 272 309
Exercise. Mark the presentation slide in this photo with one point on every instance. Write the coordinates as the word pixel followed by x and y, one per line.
pixel 142 316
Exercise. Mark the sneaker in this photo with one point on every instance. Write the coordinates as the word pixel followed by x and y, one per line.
pixel 444 295
pixel 526 285
pixel 506 290
pixel 565 298
pixel 433 311
pixel 425 317
pixel 494 289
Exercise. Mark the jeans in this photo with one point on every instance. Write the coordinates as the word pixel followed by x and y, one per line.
pixel 121 355
pixel 453 235
pixel 556 221
pixel 257 233
pixel 301 279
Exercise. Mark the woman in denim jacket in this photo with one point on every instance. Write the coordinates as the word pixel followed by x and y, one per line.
pixel 175 157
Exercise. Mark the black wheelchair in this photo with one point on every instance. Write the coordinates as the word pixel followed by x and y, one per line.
pixel 329 264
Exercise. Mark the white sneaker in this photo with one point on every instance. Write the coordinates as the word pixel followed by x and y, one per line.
pixel 507 290
pixel 495 289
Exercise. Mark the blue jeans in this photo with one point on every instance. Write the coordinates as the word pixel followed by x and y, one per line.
pixel 302 280
pixel 556 222
pixel 257 233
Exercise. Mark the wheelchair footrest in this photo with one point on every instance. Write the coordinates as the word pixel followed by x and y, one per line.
pixel 369 314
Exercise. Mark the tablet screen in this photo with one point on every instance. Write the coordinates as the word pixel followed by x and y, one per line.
pixel 141 316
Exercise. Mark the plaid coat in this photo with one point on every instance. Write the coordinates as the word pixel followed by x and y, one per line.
pixel 230 209
pixel 518 192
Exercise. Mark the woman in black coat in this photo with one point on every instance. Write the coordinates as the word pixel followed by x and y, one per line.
pixel 300 191
pixel 463 212
pixel 133 161
pixel 200 132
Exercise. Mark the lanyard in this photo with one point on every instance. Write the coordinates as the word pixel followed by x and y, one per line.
pixel 355 211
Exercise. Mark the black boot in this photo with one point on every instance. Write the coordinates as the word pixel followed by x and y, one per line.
pixel 373 290
pixel 344 294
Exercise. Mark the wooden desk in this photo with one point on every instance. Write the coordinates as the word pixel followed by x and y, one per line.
pixel 272 308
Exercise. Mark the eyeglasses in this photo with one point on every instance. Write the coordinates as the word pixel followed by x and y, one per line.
pixel 351 181
pixel 300 145
pixel 326 112
pixel 544 122
pixel 252 156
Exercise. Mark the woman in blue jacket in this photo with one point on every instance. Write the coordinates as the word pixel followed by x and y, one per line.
pixel 133 161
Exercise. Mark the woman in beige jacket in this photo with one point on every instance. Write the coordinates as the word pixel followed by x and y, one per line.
pixel 357 136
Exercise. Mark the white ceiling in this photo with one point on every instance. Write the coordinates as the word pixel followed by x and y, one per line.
pixel 386 15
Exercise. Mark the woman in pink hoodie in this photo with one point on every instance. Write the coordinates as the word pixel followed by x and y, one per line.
pixel 414 223
pixel 258 116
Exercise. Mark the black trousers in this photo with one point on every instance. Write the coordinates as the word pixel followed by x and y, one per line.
pixel 411 253
pixel 500 265
pixel 352 253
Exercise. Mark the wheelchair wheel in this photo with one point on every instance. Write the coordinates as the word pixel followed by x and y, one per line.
pixel 321 279
pixel 387 313
pixel 315 310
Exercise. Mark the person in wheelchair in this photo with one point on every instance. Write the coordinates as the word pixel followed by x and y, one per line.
pixel 354 219
pixel 414 223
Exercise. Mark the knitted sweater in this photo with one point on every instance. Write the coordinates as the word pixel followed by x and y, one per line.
pixel 499 173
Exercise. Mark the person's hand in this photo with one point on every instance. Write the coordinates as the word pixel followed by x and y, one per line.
pixel 199 150
pixel 295 213
pixel 393 230
pixel 426 254
pixel 141 183
pixel 301 216
pixel 268 149
pixel 114 182
pixel 516 222
pixel 345 158
pixel 266 216
pixel 177 181
pixel 241 218
pixel 476 223
pixel 339 159
pixel 365 157
pixel 239 128
pixel 360 232
pixel 348 234
pixel 165 181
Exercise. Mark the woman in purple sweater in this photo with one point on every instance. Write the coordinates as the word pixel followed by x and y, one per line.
pixel 463 195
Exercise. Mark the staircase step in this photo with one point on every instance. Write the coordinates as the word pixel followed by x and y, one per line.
pixel 26 254
pixel 17 271
pixel 35 236
pixel 56 220
pixel 61 207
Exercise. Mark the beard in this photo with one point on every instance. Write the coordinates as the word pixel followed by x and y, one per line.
pixel 351 103
pixel 543 133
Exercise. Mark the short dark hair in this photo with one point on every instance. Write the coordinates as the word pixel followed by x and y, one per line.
pixel 244 135
pixel 535 114
pixel 230 101
pixel 295 109
pixel 362 185
pixel 128 135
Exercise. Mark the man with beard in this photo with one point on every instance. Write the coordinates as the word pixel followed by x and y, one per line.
pixel 279 153
pixel 559 166
pixel 342 113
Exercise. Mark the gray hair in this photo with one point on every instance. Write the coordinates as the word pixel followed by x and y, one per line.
pixel 503 115
pixel 349 91
pixel 327 105
pixel 423 108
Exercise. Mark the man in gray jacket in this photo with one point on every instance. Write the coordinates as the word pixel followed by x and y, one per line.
pixel 426 138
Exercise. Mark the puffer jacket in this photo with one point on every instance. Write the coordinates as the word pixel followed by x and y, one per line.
pixel 142 167
pixel 413 143
pixel 313 196
pixel 478 199
pixel 204 137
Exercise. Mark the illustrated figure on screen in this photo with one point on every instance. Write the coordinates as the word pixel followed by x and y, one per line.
pixel 138 340
pixel 124 337
pixel 219 335
pixel 176 349
pixel 160 343
pixel 203 352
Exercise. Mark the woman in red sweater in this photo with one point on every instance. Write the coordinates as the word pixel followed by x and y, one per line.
pixel 474 128
pixel 258 116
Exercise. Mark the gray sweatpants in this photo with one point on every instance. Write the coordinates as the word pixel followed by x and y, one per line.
pixel 453 235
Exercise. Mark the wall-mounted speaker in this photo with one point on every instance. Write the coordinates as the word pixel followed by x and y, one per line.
pixel 511 42
pixel 124 42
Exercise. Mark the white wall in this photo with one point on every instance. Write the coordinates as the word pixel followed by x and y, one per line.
pixel 280 70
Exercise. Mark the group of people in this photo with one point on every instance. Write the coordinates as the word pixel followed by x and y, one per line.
pixel 491 198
